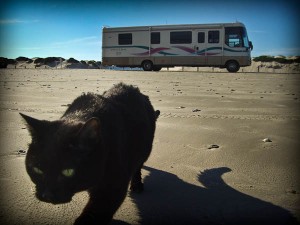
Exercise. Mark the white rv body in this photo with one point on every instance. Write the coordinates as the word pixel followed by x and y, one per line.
pixel 153 47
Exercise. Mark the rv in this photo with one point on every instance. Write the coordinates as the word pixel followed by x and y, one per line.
pixel 223 45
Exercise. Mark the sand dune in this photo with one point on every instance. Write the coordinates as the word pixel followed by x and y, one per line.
pixel 49 63
pixel 60 63
pixel 243 179
pixel 262 67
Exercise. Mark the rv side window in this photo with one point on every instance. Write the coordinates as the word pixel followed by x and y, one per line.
pixel 181 37
pixel 213 36
pixel 234 36
pixel 125 39
pixel 201 37
pixel 155 38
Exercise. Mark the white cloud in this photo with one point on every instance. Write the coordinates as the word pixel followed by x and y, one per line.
pixel 36 48
pixel 280 51
pixel 257 31
pixel 15 21
pixel 83 40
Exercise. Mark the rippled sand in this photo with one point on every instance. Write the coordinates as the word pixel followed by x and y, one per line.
pixel 244 180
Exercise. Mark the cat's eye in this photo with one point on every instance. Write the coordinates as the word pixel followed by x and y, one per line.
pixel 37 171
pixel 68 172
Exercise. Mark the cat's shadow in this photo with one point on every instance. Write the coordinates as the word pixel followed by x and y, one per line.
pixel 169 200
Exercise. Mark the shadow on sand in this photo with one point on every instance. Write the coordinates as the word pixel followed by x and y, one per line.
pixel 169 200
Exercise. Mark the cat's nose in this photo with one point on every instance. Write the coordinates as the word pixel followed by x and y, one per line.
pixel 47 196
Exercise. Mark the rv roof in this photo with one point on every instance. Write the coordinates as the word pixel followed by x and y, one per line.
pixel 171 27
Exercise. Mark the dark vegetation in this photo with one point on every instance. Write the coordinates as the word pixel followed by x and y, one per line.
pixel 50 61
pixel 279 59
pixel 72 60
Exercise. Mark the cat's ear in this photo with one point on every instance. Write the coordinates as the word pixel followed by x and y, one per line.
pixel 90 131
pixel 35 126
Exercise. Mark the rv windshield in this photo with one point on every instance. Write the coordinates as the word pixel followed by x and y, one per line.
pixel 236 37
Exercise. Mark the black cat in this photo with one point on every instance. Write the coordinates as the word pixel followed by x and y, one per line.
pixel 100 144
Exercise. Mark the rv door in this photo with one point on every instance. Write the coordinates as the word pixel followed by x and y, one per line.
pixel 214 48
pixel 200 37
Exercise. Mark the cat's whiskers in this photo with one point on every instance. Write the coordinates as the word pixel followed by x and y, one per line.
pixel 63 210
pixel 74 204
pixel 32 189
pixel 67 210
pixel 31 203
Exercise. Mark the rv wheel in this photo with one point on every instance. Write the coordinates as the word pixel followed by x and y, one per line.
pixel 147 65
pixel 232 66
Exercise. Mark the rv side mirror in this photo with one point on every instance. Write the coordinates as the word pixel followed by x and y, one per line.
pixel 251 45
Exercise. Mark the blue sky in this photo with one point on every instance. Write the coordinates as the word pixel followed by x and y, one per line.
pixel 44 28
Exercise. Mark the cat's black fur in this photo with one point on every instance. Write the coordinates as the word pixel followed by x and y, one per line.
pixel 99 145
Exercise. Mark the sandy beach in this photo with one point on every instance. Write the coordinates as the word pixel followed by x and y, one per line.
pixel 209 163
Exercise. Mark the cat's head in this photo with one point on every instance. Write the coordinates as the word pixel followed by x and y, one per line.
pixel 61 157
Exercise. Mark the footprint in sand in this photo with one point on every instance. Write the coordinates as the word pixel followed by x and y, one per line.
pixel 213 146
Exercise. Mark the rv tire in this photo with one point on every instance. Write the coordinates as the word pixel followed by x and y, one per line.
pixel 147 65
pixel 232 66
